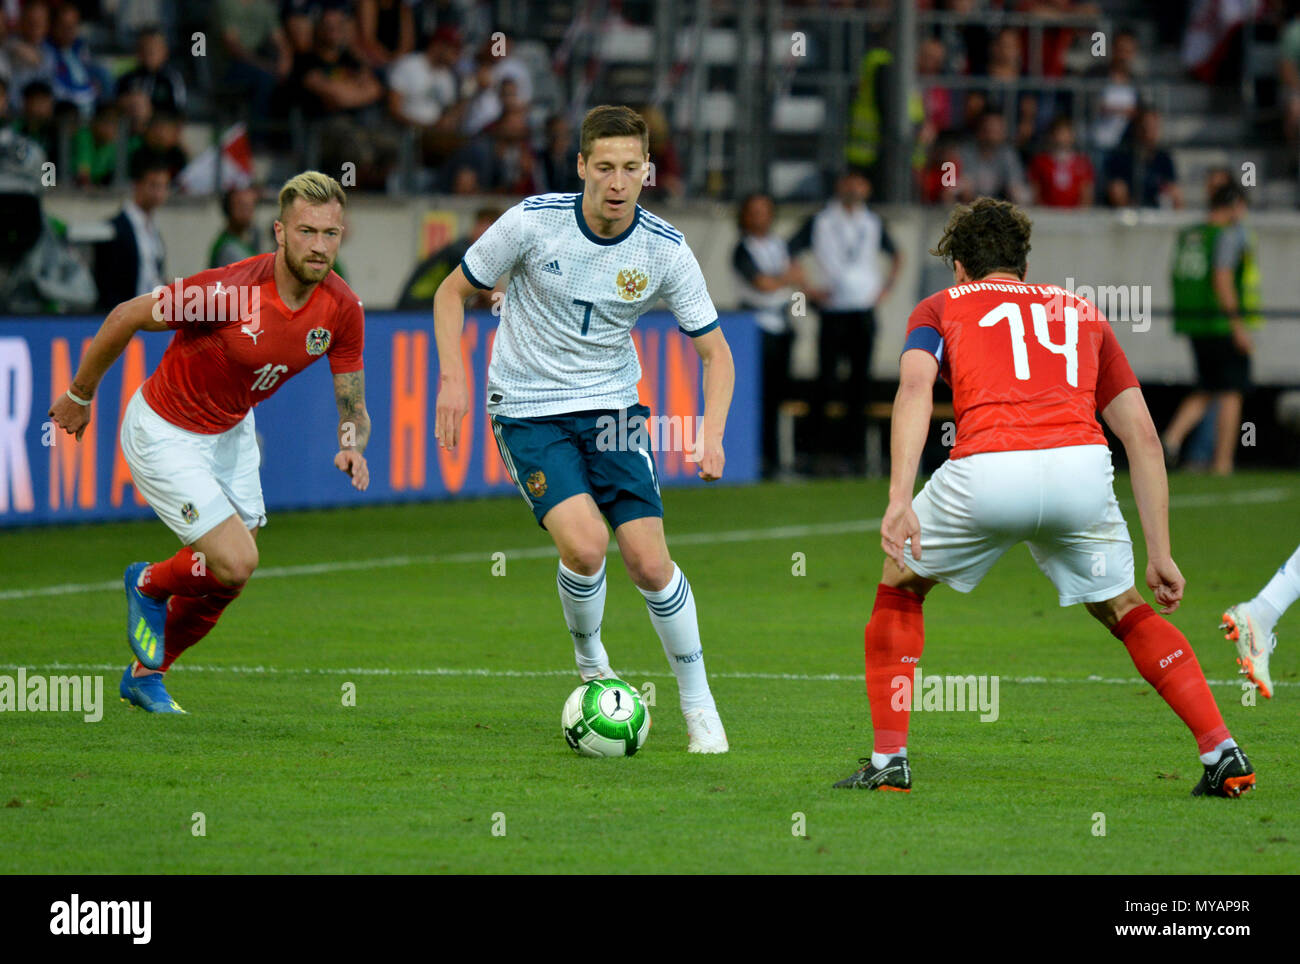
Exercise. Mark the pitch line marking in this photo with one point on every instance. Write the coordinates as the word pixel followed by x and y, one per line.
pixel 459 671
pixel 853 526
pixel 529 552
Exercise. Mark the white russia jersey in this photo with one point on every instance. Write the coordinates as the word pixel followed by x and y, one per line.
pixel 564 343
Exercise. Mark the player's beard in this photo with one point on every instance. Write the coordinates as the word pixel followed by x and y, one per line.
pixel 304 272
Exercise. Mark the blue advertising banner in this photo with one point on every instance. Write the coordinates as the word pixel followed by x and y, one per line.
pixel 46 477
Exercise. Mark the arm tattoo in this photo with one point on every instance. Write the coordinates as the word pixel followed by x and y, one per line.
pixel 354 421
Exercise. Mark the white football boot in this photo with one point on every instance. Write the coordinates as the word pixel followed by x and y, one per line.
pixel 603 672
pixel 1252 650
pixel 705 732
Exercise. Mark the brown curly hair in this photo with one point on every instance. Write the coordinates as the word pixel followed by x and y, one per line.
pixel 986 236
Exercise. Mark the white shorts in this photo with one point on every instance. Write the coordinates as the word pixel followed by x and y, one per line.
pixel 1061 501
pixel 193 481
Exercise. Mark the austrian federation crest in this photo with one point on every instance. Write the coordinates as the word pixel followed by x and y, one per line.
pixel 189 513
pixel 631 283
pixel 318 340
pixel 537 484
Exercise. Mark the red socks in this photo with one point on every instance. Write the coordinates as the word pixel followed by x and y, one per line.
pixel 1165 659
pixel 181 575
pixel 893 642
pixel 896 635
pixel 189 619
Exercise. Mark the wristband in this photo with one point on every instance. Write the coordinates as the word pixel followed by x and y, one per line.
pixel 83 402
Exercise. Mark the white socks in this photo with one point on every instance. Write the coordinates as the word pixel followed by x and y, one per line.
pixel 1215 755
pixel 878 760
pixel 583 599
pixel 672 612
pixel 1274 599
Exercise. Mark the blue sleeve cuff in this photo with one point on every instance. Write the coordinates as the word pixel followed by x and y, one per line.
pixel 470 275
pixel 696 332
pixel 927 339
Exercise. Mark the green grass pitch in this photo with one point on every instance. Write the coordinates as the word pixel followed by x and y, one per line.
pixel 460 674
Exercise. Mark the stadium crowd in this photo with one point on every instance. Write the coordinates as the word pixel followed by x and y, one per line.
pixel 1016 137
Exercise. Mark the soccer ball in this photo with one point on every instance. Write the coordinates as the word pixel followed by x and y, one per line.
pixel 605 717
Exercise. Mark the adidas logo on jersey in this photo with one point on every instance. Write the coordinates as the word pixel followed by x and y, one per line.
pixel 553 268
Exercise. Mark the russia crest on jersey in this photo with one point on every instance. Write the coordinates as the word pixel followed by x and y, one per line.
pixel 318 340
pixel 631 283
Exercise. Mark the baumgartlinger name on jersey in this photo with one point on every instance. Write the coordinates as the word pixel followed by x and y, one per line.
pixel 565 339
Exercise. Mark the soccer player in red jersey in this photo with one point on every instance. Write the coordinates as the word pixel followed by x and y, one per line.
pixel 1029 366
pixel 189 435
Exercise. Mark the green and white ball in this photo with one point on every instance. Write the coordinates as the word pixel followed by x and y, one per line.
pixel 605 717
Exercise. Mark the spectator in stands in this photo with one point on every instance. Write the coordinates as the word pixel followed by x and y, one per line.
pixel 1212 44
pixel 299 31
pixel 666 169
pixel 516 167
pixel 1215 178
pixel 95 147
pixel 137 109
pixel 940 102
pixel 1216 300
pixel 340 93
pixel 1056 40
pixel 974 104
pixel 77 79
pixel 847 240
pixel 26 50
pixel 238 237
pixel 1119 97
pixel 1006 58
pixel 159 80
pixel 162 139
pixel 424 93
pixel 990 167
pixel 385 31
pixel 971 41
pixel 1062 176
pixel 36 122
pixel 765 277
pixel 1140 172
pixel 254 49
pixel 1030 111
pixel 942 172
pixel 1289 79
pixel 417 294
pixel 502 160
pixel 6 65
pixel 133 262
pixel 559 160
pixel 483 99
pixel 332 75
pixel 1032 108
pixel 463 179
pixel 508 66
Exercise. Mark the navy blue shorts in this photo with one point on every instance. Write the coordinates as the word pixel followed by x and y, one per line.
pixel 555 457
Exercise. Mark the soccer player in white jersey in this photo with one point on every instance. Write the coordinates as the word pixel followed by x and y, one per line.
pixel 1250 624
pixel 583 268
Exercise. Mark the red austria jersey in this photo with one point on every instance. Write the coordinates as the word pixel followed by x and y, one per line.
pixel 1029 365
pixel 236 342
